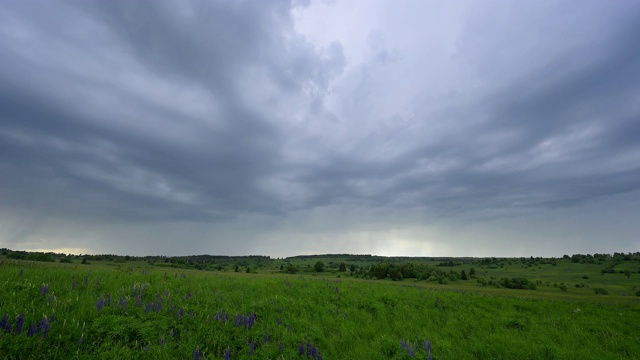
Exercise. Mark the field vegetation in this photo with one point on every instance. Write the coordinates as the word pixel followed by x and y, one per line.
pixel 59 306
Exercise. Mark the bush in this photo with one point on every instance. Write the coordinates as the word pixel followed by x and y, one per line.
pixel 601 291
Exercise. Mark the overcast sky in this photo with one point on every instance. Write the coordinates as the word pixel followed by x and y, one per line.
pixel 417 128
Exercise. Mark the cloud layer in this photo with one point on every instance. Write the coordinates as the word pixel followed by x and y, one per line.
pixel 281 128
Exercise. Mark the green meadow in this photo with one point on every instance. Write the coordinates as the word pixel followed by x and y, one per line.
pixel 254 308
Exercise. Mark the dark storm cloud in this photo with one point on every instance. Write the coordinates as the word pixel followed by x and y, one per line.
pixel 224 114
pixel 125 158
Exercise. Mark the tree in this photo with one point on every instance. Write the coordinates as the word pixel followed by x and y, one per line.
pixel 319 266
pixel 628 273
pixel 463 276
pixel 472 272
pixel 343 267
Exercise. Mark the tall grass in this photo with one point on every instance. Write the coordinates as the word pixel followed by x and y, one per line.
pixel 100 313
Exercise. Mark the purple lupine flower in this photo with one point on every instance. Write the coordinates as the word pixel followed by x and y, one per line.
pixel 73 286
pixel 337 290
pixel 44 289
pixel 44 325
pixel 281 347
pixel 189 295
pixel 81 339
pixel 147 308
pixel 308 347
pixel 19 324
pixel 427 345
pixel 180 313
pixel 4 320
pixel 51 298
pixel 100 303
pixel 266 338
pixel 227 354
pixel 31 331
pixel 319 356
pixel 430 356
pixel 162 341
pixel 196 354
pixel 53 317
pixel 279 321
pixel 21 272
pixel 147 348
pixel 8 328
pixel 252 347
pixel 183 275
pixel 301 349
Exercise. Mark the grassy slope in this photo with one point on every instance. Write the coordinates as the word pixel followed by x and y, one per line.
pixel 362 319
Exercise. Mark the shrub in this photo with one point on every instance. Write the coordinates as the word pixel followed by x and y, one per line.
pixel 601 291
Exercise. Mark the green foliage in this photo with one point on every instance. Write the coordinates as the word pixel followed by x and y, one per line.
pixel 345 318
pixel 319 266
pixel 600 291
pixel 343 267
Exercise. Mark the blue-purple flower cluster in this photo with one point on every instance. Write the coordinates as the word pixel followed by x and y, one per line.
pixel 411 348
pixel 247 321
pixel 37 328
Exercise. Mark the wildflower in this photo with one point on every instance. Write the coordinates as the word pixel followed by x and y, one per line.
pixel 44 289
pixel 281 347
pixel 196 354
pixel 266 338
pixel 162 341
pixel 227 354
pixel 19 324
pixel 147 308
pixel 100 303
pixel 81 339
pixel 301 349
pixel 53 317
pixel 73 286
pixel 147 347
pixel 44 325
pixel 4 320
pixel 427 345
pixel 252 347
pixel 31 331
pixel 21 272
pixel 180 313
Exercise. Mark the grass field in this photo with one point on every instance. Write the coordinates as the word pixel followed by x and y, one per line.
pixel 108 310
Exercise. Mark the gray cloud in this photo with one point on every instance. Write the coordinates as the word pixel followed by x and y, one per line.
pixel 224 123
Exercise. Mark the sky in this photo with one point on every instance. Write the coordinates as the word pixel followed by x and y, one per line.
pixel 281 128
